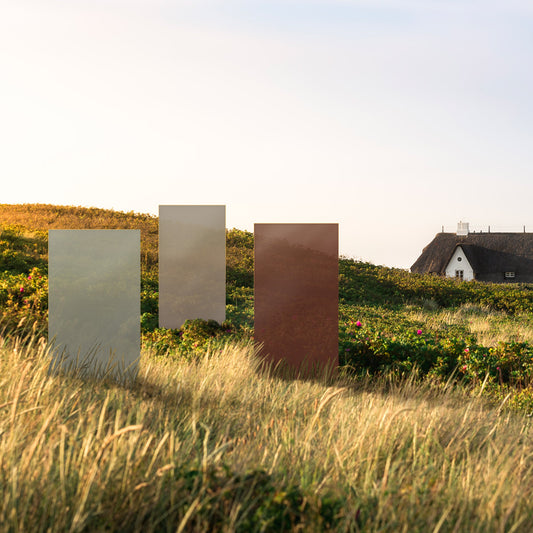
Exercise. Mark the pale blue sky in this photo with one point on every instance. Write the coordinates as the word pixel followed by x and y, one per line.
pixel 392 118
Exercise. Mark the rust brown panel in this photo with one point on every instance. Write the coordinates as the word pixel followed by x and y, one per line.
pixel 297 294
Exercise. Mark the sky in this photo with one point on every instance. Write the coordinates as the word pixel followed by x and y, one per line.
pixel 391 117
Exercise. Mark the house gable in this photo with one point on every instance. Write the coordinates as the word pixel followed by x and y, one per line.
pixel 458 266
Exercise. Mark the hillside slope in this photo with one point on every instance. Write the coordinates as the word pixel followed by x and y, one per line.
pixel 389 319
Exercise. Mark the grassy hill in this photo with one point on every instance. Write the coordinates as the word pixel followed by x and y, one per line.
pixel 414 434
pixel 389 319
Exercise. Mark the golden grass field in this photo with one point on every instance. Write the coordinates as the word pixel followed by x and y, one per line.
pixel 216 445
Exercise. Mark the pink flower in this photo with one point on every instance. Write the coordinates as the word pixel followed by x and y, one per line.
pixel 497 368
pixel 464 367
pixel 29 277
pixel 22 289
pixel 467 350
pixel 358 324
pixel 419 332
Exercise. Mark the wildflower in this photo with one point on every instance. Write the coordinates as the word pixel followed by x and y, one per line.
pixel 467 350
pixel 464 367
pixel 22 289
pixel 29 277
pixel 358 324
pixel 347 350
pixel 497 368
pixel 419 332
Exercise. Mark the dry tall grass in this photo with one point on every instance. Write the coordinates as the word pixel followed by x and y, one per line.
pixel 214 445
pixel 487 326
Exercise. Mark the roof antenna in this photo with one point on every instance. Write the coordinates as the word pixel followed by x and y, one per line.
pixel 442 231
pixel 489 229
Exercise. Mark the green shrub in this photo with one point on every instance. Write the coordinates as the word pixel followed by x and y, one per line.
pixel 192 339
pixel 507 362
pixel 239 258
pixel 363 283
pixel 24 299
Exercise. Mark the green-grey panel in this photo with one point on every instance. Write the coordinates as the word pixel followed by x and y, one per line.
pixel 94 301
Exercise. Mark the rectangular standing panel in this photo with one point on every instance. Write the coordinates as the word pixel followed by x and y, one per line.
pixel 297 294
pixel 192 263
pixel 94 301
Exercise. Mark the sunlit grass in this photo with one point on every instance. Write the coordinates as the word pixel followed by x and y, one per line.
pixel 486 325
pixel 215 445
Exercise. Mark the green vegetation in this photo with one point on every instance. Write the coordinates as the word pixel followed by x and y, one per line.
pixel 480 333
pixel 426 427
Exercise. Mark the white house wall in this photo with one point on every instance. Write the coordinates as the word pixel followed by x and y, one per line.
pixel 460 262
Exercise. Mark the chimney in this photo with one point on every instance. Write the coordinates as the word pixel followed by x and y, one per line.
pixel 462 228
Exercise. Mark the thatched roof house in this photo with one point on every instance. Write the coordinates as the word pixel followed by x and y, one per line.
pixel 496 257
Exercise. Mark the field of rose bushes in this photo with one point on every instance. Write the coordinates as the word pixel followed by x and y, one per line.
pixel 390 321
pixel 426 427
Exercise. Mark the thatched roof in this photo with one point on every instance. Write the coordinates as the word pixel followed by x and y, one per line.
pixel 486 252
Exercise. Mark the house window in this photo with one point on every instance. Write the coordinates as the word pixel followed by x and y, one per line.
pixel 459 274
pixel 509 275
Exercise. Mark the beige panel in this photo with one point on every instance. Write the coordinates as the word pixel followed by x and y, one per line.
pixel 192 263
pixel 94 301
